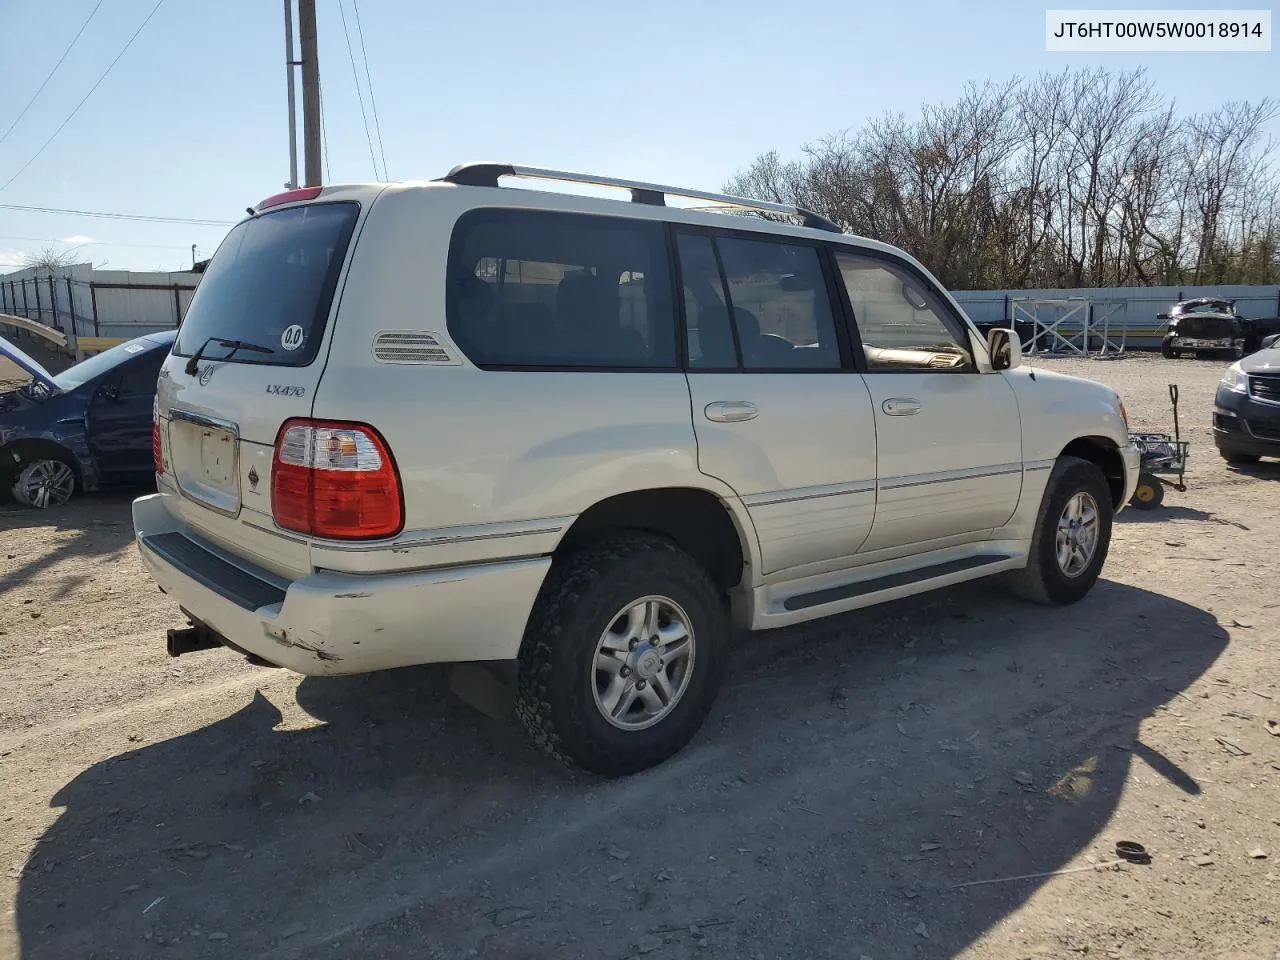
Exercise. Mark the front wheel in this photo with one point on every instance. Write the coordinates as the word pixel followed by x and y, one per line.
pixel 1072 535
pixel 44 483
pixel 623 655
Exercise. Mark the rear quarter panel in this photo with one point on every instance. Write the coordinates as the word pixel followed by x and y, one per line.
pixel 492 463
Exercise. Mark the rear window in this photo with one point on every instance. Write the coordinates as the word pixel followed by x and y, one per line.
pixel 271 284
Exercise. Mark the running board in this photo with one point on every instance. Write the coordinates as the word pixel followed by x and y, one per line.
pixel 848 591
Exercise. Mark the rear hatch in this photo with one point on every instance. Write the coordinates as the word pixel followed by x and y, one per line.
pixel 248 357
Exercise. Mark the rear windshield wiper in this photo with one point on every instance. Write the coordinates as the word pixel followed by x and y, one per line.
pixel 193 363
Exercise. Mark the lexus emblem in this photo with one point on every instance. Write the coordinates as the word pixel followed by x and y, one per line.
pixel 206 374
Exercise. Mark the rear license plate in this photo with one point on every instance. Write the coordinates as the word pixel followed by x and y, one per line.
pixel 218 457
pixel 206 463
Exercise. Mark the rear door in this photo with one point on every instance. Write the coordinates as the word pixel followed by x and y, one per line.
pixel 778 413
pixel 949 438
pixel 248 357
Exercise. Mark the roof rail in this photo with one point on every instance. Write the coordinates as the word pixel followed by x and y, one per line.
pixel 486 174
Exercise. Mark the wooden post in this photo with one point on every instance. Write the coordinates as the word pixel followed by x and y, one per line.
pixel 310 92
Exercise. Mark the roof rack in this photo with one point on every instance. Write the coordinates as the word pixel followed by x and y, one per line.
pixel 485 174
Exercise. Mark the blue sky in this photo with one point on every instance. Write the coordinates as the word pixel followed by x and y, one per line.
pixel 191 122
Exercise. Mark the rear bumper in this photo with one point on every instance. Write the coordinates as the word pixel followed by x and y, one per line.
pixel 332 623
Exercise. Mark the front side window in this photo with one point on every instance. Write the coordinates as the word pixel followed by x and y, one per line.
pixel 775 295
pixel 900 321
pixel 535 289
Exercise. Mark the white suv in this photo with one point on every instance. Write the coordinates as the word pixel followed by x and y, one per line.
pixel 453 421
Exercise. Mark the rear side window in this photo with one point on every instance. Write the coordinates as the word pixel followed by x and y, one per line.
pixel 271 285
pixel 534 289
pixel 756 305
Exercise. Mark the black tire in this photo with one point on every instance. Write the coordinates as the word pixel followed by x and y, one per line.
pixel 1238 458
pixel 582 595
pixel 1168 352
pixel 1042 580
pixel 1149 492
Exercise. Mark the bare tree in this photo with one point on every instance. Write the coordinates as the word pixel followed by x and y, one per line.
pixel 50 260
pixel 1075 178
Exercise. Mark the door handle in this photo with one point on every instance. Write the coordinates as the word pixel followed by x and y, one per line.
pixel 901 406
pixel 731 411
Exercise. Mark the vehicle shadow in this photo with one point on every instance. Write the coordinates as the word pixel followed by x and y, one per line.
pixel 854 772
pixel 1163 514
pixel 94 525
pixel 1262 470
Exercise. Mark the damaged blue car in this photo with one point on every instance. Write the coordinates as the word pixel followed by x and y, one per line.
pixel 84 429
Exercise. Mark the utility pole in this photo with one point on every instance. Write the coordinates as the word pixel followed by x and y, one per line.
pixel 289 64
pixel 310 90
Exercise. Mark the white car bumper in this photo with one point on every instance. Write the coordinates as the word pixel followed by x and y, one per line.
pixel 332 623
pixel 1132 467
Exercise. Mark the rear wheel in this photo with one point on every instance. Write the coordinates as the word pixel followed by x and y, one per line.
pixel 1149 493
pixel 1072 535
pixel 623 655
pixel 44 483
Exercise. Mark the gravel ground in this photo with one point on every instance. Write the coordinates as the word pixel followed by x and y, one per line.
pixel 892 783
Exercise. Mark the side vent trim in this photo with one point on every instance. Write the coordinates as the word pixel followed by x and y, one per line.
pixel 412 346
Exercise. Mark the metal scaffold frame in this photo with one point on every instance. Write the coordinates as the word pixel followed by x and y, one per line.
pixel 1071 325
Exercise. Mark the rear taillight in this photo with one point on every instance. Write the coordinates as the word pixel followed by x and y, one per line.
pixel 335 479
pixel 157 451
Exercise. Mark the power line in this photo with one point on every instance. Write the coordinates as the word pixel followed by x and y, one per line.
pixel 117 216
pixel 324 131
pixel 355 76
pixel 85 98
pixel 105 243
pixel 4 136
pixel 377 125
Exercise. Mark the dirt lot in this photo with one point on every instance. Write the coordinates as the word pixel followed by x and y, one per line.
pixel 855 776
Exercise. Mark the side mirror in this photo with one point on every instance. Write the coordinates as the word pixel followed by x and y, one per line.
pixel 1004 348
pixel 1162 316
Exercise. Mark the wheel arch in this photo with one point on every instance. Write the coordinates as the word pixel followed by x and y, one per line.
pixel 697 520
pixel 1105 454
pixel 24 450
